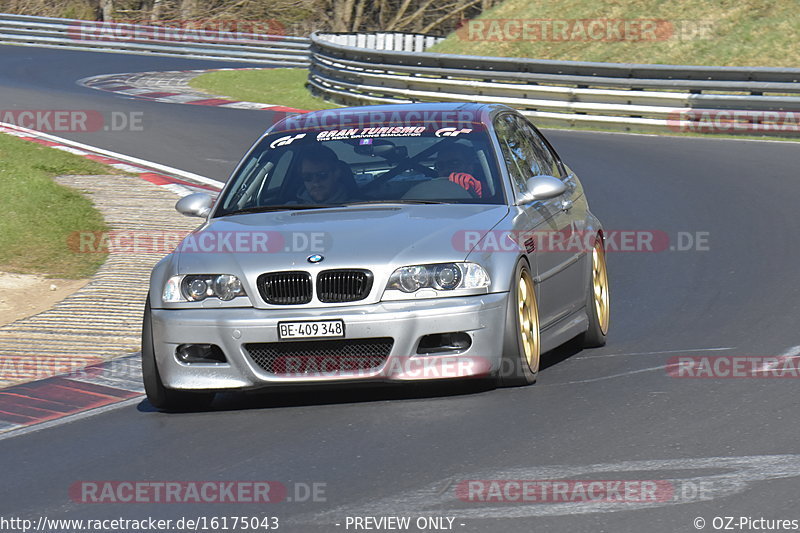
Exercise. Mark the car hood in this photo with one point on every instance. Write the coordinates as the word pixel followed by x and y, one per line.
pixel 386 236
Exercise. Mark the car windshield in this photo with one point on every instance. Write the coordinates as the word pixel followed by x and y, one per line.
pixel 375 164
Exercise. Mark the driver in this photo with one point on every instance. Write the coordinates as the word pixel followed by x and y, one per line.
pixel 322 176
pixel 458 163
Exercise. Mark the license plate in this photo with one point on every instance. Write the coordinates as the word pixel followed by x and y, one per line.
pixel 316 328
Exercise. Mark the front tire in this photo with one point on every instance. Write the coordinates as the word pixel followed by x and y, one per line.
pixel 597 300
pixel 158 395
pixel 521 342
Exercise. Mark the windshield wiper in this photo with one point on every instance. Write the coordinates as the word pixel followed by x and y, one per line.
pixel 267 208
pixel 368 202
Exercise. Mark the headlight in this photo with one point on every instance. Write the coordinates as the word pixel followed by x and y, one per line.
pixel 447 277
pixel 198 287
pixel 227 287
pixel 440 277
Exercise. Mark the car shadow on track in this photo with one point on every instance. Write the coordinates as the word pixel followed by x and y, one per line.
pixel 298 396
pixel 561 353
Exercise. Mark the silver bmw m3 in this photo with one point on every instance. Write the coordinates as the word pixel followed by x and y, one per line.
pixel 378 244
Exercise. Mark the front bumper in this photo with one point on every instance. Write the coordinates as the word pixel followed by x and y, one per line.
pixel 481 317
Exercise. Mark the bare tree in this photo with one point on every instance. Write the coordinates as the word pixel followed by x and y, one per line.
pixel 188 9
pixel 107 10
pixel 155 11
pixel 298 17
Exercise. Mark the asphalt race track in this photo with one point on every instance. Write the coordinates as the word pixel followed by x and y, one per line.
pixel 199 136
pixel 606 414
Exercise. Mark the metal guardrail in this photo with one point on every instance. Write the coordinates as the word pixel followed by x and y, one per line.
pixel 380 67
pixel 152 40
pixel 568 93
pixel 397 41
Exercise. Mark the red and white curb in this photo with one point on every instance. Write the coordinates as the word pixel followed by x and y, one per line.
pixel 111 384
pixel 58 399
pixel 172 87
pixel 94 389
pixel 178 181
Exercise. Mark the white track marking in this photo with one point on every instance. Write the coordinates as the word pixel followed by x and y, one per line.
pixel 690 350
pixel 612 376
pixel 129 159
pixel 71 150
pixel 728 476
pixel 791 353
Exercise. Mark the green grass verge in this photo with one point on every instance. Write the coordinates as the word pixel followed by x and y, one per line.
pixel 701 32
pixel 39 215
pixel 280 86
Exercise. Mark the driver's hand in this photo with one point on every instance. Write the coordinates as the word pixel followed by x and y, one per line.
pixel 469 182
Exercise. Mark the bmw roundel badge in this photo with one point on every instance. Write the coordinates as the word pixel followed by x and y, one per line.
pixel 316 258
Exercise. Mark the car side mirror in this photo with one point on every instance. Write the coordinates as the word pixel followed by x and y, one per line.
pixel 195 205
pixel 543 188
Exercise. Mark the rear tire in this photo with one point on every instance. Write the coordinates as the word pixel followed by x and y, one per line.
pixel 521 343
pixel 158 395
pixel 597 299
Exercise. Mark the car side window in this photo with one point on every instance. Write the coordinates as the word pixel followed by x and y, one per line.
pixel 511 145
pixel 547 162
pixel 524 151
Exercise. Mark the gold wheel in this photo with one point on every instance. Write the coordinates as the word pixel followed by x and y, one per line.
pixel 528 316
pixel 600 285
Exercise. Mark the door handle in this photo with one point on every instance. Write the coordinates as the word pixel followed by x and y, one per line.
pixel 566 205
